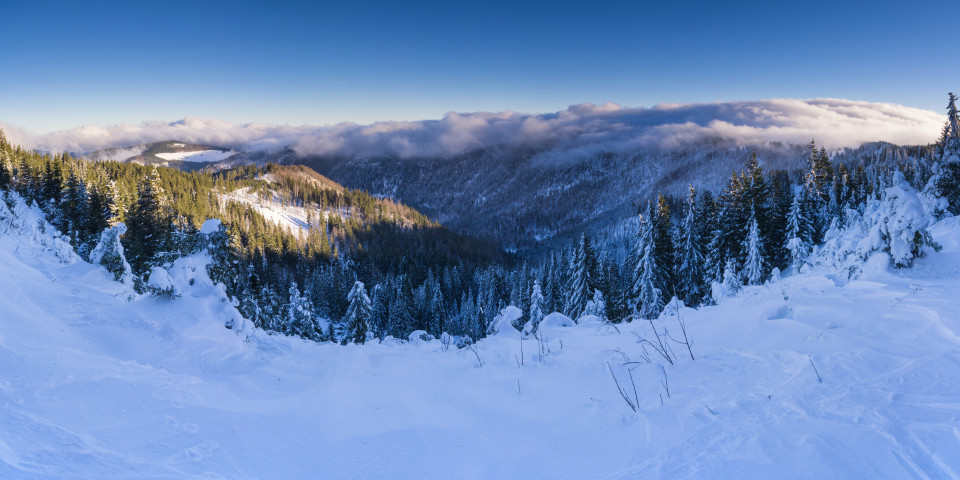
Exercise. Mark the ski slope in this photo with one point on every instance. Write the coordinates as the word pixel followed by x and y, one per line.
pixel 93 386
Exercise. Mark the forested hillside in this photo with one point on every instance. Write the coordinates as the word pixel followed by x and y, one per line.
pixel 837 211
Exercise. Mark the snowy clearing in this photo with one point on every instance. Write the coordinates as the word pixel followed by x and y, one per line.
pixel 94 386
pixel 197 156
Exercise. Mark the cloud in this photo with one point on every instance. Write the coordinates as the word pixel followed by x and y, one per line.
pixel 578 131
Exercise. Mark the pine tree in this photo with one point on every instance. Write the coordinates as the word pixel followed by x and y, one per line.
pixel 148 225
pixel 536 313
pixel 380 313
pixel 75 214
pixel 597 306
pixel 690 256
pixel 754 269
pixel 359 313
pixel 649 277
pixel 300 315
pixel 664 251
pixel 578 282
pixel 651 298
pixel 798 234
pixel 947 168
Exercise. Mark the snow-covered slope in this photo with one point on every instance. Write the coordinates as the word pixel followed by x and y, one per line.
pixel 197 156
pixel 94 386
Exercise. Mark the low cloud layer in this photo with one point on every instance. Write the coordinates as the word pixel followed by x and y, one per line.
pixel 578 130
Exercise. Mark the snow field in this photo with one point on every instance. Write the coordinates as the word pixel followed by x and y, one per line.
pixel 197 155
pixel 94 386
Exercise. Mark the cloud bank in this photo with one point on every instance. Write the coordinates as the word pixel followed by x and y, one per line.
pixel 578 130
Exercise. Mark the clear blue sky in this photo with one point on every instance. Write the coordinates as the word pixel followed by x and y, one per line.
pixel 67 64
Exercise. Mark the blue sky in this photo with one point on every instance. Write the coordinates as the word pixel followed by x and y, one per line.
pixel 102 63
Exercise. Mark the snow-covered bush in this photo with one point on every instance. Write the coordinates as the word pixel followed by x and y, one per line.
pixel 507 322
pixel 160 284
pixel 109 254
pixel 896 224
pixel 899 225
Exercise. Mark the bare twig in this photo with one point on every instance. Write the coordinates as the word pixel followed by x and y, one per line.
pixel 623 395
pixel 660 347
pixel 665 383
pixel 636 398
pixel 683 329
pixel 473 347
pixel 711 410
pixel 815 370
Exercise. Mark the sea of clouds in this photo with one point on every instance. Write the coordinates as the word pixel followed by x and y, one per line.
pixel 579 130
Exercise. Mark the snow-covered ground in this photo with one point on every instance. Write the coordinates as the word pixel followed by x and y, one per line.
pixel 198 155
pixel 287 216
pixel 290 217
pixel 94 386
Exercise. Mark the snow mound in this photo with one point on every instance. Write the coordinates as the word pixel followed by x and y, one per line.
pixel 211 226
pixel 505 323
pixel 555 320
pixel 590 321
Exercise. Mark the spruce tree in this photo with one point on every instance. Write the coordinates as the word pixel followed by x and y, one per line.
pixel 536 312
pixel 690 255
pixel 578 283
pixel 947 168
pixel 798 242
pixel 754 269
pixel 359 313
pixel 148 224
pixel 649 277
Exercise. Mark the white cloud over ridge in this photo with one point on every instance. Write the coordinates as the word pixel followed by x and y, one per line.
pixel 579 130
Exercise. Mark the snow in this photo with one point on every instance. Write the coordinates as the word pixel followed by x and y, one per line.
pixel 289 216
pixel 556 319
pixel 503 324
pixel 210 226
pixel 93 386
pixel 197 155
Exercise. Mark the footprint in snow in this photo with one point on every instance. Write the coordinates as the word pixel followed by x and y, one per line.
pixel 200 451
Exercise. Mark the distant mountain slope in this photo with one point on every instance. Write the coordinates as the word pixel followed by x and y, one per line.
pixel 185 156
pixel 522 199
pixel 527 198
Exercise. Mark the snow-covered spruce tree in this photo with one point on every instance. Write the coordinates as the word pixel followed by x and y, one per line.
pixel 300 320
pixel 578 281
pixel 798 234
pixel 225 266
pixel 75 213
pixel 899 225
pixel 148 225
pixel 690 272
pixel 597 306
pixel 109 253
pixel 380 312
pixel 664 250
pixel 650 299
pixel 731 282
pixel 358 313
pixel 946 176
pixel 536 312
pixel 754 270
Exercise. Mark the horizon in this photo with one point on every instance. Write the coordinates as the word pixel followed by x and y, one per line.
pixel 326 64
